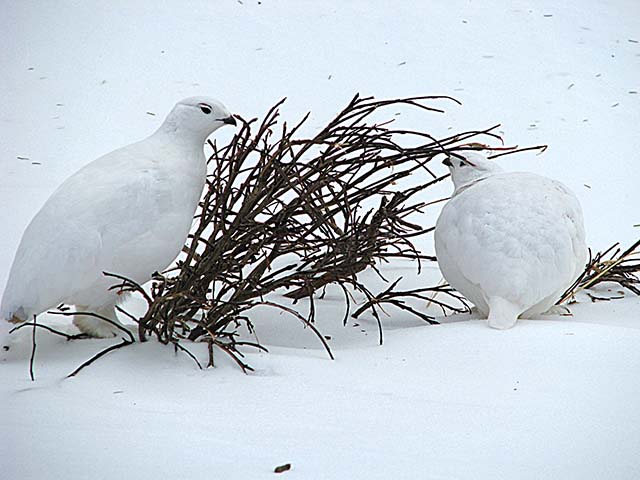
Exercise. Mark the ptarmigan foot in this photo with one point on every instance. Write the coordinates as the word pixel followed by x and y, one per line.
pixel 95 327
pixel 502 313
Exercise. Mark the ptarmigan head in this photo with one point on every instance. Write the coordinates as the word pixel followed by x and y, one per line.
pixel 197 117
pixel 468 167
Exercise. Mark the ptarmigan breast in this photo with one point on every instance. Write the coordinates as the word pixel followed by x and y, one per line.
pixel 511 243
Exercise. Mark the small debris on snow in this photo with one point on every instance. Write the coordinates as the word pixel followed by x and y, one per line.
pixel 615 104
pixel 633 92
pixel 631 40
pixel 151 113
pixel 22 158
pixel 282 468
pixel 588 186
pixel 570 86
pixel 547 15
pixel 36 163
pixel 402 63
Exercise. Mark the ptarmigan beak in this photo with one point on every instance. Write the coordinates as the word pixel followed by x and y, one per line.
pixel 447 162
pixel 230 121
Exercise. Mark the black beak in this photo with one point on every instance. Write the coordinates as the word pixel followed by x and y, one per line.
pixel 447 162
pixel 230 121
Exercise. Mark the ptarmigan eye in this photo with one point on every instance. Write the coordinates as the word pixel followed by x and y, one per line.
pixel 205 108
pixel 462 164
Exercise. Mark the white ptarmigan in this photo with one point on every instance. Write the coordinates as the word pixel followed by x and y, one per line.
pixel 510 242
pixel 128 212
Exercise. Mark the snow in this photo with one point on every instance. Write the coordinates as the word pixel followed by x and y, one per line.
pixel 556 398
pixel 544 400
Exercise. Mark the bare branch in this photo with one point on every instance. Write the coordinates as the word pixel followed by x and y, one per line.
pixel 285 214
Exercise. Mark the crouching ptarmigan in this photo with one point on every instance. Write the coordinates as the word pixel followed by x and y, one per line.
pixel 128 212
pixel 510 242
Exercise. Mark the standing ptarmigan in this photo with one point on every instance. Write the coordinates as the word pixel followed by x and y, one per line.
pixel 128 213
pixel 510 242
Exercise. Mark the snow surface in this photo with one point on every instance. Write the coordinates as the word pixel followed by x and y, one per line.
pixel 557 398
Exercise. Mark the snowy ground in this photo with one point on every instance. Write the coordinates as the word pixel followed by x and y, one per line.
pixel 549 399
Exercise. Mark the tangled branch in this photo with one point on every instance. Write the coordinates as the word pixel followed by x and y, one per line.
pixel 612 265
pixel 291 215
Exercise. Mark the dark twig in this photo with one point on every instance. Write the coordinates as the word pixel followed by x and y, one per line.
pixel 177 346
pixel 540 148
pixel 47 328
pixel 33 350
pixel 102 353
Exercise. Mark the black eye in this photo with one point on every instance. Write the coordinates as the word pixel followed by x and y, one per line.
pixel 462 164
pixel 205 108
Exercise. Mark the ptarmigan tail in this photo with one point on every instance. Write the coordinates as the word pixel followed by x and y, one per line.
pixel 502 313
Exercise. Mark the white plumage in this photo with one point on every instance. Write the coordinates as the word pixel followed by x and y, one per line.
pixel 128 212
pixel 510 242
